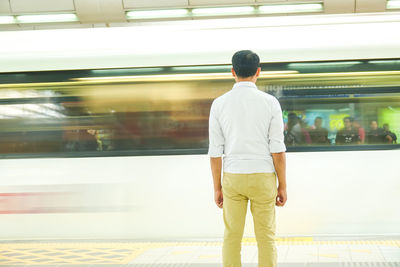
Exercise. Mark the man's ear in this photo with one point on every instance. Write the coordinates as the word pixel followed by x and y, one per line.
pixel 233 72
pixel 258 71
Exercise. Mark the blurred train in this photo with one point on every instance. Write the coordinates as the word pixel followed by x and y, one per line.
pixel 103 132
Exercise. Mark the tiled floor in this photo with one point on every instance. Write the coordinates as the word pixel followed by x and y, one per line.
pixel 292 252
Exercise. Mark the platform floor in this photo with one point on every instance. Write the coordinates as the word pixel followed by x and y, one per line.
pixel 292 252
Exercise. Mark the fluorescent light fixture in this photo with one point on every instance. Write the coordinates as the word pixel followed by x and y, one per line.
pixel 180 77
pixel 393 4
pixel 165 13
pixel 7 20
pixel 384 62
pixel 200 68
pixel 46 18
pixel 323 64
pixel 293 8
pixel 238 10
pixel 136 70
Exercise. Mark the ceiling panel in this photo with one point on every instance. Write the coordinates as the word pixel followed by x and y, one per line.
pixel 370 5
pixel 219 2
pixel 339 6
pixel 16 28
pixel 100 11
pixel 63 26
pixel 304 1
pixel 131 4
pixel 4 7
pixel 32 6
pixel 269 1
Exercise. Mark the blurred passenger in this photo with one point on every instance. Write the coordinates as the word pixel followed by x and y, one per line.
pixel 293 133
pixel 104 138
pixel 375 135
pixel 246 126
pixel 390 136
pixel 305 131
pixel 319 135
pixel 80 140
pixel 348 135
pixel 361 131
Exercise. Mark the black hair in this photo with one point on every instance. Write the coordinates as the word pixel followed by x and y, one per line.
pixel 318 118
pixel 348 118
pixel 245 63
pixel 292 116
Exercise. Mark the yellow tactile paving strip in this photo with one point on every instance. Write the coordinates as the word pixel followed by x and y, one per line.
pixel 52 253
pixel 70 253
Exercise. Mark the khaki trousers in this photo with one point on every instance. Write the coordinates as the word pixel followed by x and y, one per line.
pixel 261 190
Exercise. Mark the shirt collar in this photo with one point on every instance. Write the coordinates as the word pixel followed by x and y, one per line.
pixel 244 84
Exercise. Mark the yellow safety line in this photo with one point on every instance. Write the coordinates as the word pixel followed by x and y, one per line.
pixel 60 251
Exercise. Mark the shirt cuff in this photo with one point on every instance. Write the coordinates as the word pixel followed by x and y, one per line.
pixel 277 147
pixel 215 151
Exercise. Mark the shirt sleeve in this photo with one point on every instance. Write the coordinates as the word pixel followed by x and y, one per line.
pixel 215 135
pixel 276 138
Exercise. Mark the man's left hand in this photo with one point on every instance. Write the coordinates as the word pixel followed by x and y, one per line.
pixel 219 199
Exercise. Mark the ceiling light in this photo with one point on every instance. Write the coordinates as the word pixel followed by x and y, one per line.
pixel 201 68
pixel 134 70
pixel 393 4
pixel 384 62
pixel 180 77
pixel 294 8
pixel 223 10
pixel 7 20
pixel 323 64
pixel 46 18
pixel 166 13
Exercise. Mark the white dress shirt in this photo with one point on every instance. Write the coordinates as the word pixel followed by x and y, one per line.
pixel 246 125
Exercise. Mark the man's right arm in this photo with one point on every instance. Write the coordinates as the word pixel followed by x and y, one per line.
pixel 277 148
pixel 280 169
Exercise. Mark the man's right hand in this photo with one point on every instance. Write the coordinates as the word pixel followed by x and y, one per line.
pixel 281 196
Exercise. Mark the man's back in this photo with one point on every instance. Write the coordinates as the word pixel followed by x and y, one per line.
pixel 245 115
pixel 246 125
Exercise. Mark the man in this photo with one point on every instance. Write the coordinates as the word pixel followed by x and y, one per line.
pixel 390 136
pixel 246 126
pixel 319 135
pixel 293 135
pixel 375 134
pixel 348 135
pixel 361 131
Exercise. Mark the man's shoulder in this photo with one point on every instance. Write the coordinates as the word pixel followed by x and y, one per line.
pixel 218 100
pixel 217 103
pixel 264 95
pixel 270 98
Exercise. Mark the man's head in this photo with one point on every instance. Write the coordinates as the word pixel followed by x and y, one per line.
pixel 245 66
pixel 373 125
pixel 347 122
pixel 318 122
pixel 386 127
pixel 292 119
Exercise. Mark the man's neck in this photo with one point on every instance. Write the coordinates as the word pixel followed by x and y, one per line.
pixel 250 79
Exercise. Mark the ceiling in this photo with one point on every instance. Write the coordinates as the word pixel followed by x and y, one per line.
pixel 110 13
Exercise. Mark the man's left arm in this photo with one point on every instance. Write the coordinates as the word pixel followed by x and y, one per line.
pixel 216 169
pixel 215 151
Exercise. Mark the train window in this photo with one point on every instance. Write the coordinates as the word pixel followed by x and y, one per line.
pixel 154 111
pixel 358 109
